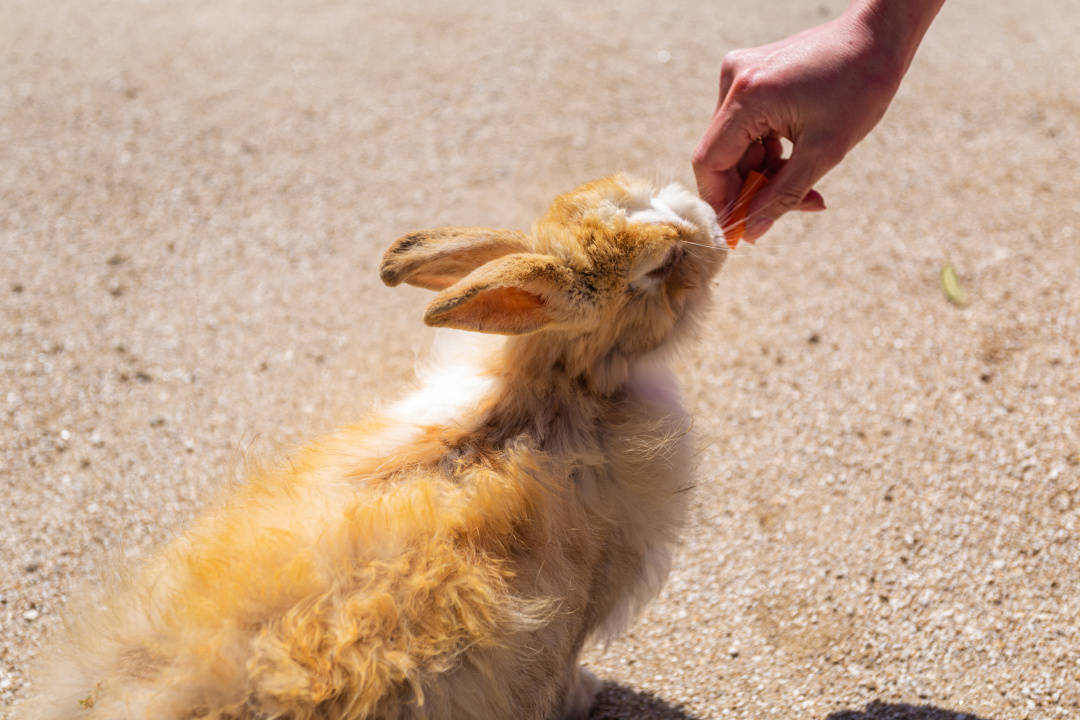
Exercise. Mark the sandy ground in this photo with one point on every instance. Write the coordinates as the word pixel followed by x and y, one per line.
pixel 194 197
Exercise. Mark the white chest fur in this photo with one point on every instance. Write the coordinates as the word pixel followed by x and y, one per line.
pixel 653 502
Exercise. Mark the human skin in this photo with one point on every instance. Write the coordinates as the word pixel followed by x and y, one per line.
pixel 823 89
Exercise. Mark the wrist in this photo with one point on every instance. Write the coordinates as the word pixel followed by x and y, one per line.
pixel 895 27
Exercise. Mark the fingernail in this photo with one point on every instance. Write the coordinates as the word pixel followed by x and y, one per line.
pixel 756 228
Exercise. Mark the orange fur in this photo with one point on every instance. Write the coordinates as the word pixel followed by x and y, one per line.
pixel 426 566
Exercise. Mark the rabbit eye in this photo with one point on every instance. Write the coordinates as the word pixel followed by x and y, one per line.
pixel 665 266
pixel 650 279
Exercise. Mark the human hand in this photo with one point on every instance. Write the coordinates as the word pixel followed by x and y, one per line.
pixel 823 89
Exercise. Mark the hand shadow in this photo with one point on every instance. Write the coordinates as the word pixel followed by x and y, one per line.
pixel 878 710
pixel 616 702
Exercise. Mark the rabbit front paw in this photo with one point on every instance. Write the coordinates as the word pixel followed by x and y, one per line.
pixel 581 695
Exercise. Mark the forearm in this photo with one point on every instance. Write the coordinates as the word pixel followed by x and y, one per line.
pixel 898 25
pixel 823 89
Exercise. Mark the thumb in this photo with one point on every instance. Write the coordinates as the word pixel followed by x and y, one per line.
pixel 784 192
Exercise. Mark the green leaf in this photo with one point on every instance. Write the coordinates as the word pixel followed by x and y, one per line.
pixel 951 285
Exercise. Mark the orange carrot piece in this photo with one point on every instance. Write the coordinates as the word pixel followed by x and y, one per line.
pixel 736 222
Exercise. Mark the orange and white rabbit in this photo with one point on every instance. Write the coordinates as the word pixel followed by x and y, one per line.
pixel 449 557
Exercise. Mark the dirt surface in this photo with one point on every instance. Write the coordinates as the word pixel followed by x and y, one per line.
pixel 194 197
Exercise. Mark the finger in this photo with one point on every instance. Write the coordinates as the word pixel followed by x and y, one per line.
pixel 719 189
pixel 813 202
pixel 786 191
pixel 752 159
pixel 729 134
pixel 727 77
pixel 773 152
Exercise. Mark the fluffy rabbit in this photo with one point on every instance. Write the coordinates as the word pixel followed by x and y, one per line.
pixel 449 557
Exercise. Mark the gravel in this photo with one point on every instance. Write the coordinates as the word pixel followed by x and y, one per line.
pixel 194 197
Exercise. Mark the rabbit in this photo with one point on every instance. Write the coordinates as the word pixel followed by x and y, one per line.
pixel 450 556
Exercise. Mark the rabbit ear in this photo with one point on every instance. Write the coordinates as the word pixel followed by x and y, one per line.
pixel 436 259
pixel 514 295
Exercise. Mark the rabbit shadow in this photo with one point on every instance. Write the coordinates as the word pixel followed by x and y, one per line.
pixel 878 710
pixel 617 702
